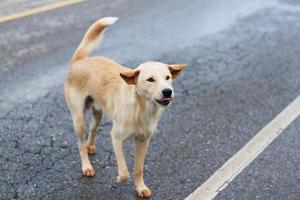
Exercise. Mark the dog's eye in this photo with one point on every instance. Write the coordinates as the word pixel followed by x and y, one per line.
pixel 168 77
pixel 150 79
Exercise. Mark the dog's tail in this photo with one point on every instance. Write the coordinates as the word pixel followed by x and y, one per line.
pixel 91 37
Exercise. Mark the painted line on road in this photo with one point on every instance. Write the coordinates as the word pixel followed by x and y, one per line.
pixel 238 162
pixel 37 10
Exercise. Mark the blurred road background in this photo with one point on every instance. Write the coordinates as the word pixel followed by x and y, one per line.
pixel 243 69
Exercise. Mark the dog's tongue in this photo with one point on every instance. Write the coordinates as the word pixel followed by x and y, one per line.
pixel 166 99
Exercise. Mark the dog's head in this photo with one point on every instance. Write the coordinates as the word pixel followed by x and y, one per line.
pixel 153 81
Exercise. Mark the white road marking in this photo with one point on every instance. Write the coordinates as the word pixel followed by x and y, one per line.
pixel 238 162
pixel 38 10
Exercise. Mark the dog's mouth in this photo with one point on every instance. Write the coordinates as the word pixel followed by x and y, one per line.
pixel 164 101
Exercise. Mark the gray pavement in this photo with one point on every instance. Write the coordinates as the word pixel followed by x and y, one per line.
pixel 241 74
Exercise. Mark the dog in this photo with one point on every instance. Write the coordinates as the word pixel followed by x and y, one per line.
pixel 133 98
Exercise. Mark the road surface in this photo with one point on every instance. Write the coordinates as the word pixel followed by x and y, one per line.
pixel 243 69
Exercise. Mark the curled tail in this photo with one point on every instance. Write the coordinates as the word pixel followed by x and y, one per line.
pixel 91 37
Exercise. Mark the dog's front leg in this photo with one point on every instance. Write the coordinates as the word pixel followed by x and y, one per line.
pixel 141 148
pixel 123 173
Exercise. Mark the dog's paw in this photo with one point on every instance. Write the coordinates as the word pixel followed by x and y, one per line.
pixel 144 192
pixel 122 178
pixel 88 171
pixel 91 149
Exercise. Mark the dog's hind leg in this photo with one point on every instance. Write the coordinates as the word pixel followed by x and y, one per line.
pixel 97 116
pixel 76 104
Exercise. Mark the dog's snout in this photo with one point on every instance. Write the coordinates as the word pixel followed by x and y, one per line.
pixel 167 92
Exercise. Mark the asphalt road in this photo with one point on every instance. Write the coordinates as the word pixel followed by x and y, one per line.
pixel 243 69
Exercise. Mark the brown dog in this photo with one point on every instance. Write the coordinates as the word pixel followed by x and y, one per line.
pixel 134 100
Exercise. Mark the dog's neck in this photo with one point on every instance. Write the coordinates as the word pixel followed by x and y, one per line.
pixel 147 107
pixel 138 108
pixel 149 114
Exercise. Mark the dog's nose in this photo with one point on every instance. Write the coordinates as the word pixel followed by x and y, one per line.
pixel 167 92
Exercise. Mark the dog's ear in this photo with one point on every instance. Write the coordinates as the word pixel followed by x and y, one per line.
pixel 176 69
pixel 130 76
